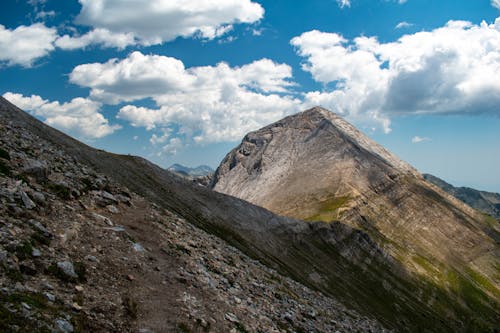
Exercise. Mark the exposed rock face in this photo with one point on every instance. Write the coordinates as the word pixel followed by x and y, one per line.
pixel 486 202
pixel 67 264
pixel 315 166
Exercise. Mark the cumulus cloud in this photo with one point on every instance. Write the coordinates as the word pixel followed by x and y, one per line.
pixel 403 24
pixel 26 44
pixel 495 3
pixel 157 21
pixel 449 70
pixel 101 37
pixel 80 116
pixel 206 103
pixel 418 139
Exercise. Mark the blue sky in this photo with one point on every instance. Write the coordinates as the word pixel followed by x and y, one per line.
pixel 182 81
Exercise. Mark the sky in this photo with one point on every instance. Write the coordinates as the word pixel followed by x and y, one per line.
pixel 182 81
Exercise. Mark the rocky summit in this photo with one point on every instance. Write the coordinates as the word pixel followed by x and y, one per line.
pixel 315 166
pixel 82 252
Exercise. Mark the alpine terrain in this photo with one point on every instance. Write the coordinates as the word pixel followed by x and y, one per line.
pixel 315 166
pixel 486 202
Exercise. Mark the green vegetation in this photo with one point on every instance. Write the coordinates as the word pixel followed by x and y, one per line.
pixel 183 328
pixel 10 319
pixel 60 190
pixel 328 210
pixel 130 307
pixel 24 250
pixel 4 168
pixel 4 154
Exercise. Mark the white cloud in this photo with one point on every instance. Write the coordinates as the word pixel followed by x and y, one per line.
pixel 495 3
pixel 207 103
pixel 402 1
pixel 100 37
pixel 157 21
pixel 452 69
pixel 26 44
pixel 80 116
pixel 403 24
pixel 344 3
pixel 418 139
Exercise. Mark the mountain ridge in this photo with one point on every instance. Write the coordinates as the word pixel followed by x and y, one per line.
pixel 313 166
pixel 486 202
pixel 319 255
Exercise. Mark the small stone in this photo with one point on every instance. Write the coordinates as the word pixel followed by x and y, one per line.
pixel 231 317
pixel 26 306
pixel 38 197
pixel 138 247
pixel 79 288
pixel 130 277
pixel 112 209
pixel 64 326
pixel 50 297
pixel 76 307
pixel 67 268
pixel 91 258
pixel 102 219
pixel 28 203
pixel 36 253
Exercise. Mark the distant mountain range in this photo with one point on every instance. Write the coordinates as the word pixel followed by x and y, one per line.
pixel 199 171
pixel 486 202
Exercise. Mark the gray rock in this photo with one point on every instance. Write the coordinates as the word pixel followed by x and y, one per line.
pixel 67 268
pixel 50 297
pixel 231 317
pixel 36 253
pixel 112 209
pixel 36 168
pixel 38 197
pixel 28 203
pixel 63 326
pixel 138 247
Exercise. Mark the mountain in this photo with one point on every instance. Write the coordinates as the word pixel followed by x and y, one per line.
pixel 160 261
pixel 486 202
pixel 92 241
pixel 315 166
pixel 199 171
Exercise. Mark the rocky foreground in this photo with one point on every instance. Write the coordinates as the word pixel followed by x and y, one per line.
pixel 81 253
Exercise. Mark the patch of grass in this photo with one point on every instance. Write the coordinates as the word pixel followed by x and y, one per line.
pixel 240 328
pixel 81 271
pixel 61 191
pixel 183 328
pixel 14 274
pixel 39 238
pixel 4 169
pixel 329 209
pixel 81 323
pixel 24 250
pixel 131 308
pixel 4 154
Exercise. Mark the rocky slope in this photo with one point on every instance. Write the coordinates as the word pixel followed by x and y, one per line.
pixel 82 252
pixel 486 202
pixel 317 167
